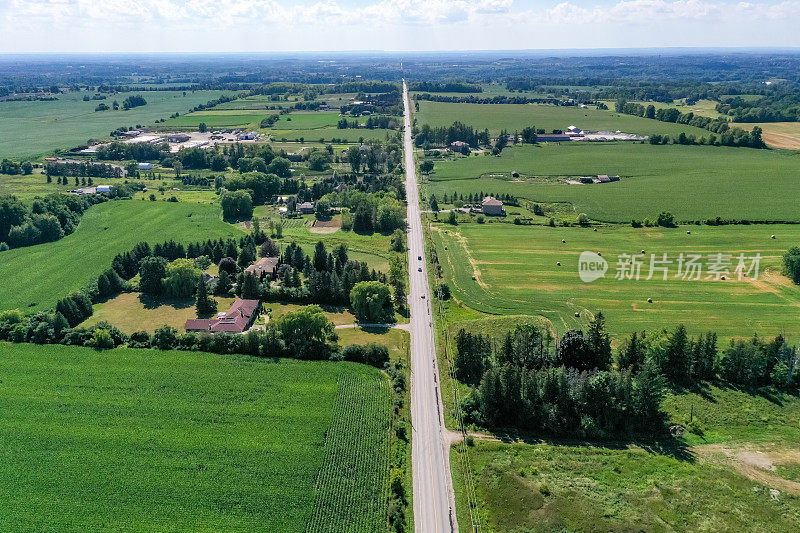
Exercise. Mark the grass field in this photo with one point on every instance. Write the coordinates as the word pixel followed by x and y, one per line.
pixel 692 182
pixel 328 133
pixel 514 117
pixel 32 128
pixel 185 441
pixel 133 311
pixel 543 488
pixel 516 273
pixel 213 120
pixel 35 277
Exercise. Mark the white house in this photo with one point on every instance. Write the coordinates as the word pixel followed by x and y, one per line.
pixel 145 166
pixel 103 188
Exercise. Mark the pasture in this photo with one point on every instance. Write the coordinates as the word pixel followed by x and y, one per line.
pixel 516 273
pixel 32 128
pixel 514 117
pixel 36 277
pixel 187 441
pixel 692 182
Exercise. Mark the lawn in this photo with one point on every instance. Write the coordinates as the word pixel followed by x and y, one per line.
pixel 133 311
pixel 328 133
pixel 516 273
pixel 144 440
pixel 337 315
pixel 514 117
pixel 397 340
pixel 692 182
pixel 32 128
pixel 35 277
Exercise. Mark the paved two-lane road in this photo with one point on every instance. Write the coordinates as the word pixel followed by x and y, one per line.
pixel 433 501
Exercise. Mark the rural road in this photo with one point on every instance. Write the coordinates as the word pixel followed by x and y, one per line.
pixel 434 510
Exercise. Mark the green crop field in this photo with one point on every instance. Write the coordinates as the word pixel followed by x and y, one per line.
pixel 213 120
pixel 33 128
pixel 184 441
pixel 514 117
pixel 306 120
pixel 44 273
pixel 516 273
pixel 692 182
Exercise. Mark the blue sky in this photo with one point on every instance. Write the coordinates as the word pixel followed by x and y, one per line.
pixel 282 25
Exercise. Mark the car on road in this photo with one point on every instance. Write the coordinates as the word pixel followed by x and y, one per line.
pixel 419 257
pixel 423 296
pixel 419 269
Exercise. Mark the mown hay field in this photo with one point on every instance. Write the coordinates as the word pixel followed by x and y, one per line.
pixel 34 278
pixel 516 273
pixel 692 182
pixel 184 441
pixel 514 117
pixel 32 128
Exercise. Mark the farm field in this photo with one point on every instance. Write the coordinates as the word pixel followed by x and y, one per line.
pixel 330 132
pixel 188 441
pixel 516 273
pixel 213 120
pixel 133 311
pixel 104 231
pixel 778 134
pixel 33 128
pixel 514 117
pixel 692 182
pixel 706 108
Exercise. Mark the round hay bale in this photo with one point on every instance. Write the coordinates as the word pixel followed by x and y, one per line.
pixel 688 232
pixel 595 229
pixel 642 251
pixel 558 263
pixel 563 241
pixel 723 278
pixel 598 253
pixel 772 236
pixel 577 315
pixel 474 278
pixel 649 300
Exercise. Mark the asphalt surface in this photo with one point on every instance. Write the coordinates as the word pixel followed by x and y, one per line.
pixel 434 511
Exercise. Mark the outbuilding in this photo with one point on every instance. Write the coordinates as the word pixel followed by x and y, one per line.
pixel 306 208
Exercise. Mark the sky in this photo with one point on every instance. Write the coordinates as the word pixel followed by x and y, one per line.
pixel 120 26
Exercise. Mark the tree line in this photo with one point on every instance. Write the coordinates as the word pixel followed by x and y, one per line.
pixel 576 385
pixel 727 136
pixel 44 220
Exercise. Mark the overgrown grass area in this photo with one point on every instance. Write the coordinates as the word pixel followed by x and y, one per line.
pixel 187 441
pixel 729 415
pixel 516 272
pixel 514 117
pixel 397 340
pixel 692 182
pixel 544 487
pixel 36 277
pixel 214 120
pixel 133 311
pixel 33 128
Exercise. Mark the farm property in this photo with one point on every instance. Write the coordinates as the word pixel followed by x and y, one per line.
pixel 692 182
pixel 516 272
pixel 166 441
pixel 104 231
pixel 31 128
pixel 513 117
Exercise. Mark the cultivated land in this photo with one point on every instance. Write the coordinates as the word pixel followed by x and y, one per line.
pixel 692 182
pixel 778 134
pixel 44 273
pixel 33 128
pixel 166 441
pixel 213 120
pixel 516 273
pixel 513 117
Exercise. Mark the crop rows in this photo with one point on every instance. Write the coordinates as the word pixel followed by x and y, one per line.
pixel 352 485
